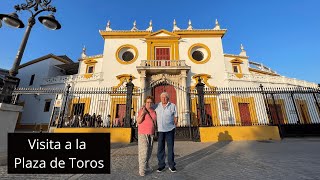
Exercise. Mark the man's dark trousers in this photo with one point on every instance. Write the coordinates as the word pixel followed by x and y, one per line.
pixel 169 137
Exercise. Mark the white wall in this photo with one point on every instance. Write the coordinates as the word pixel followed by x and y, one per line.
pixel 53 70
pixel 111 67
pixel 42 69
pixel 97 66
pixel 214 67
pixel 33 111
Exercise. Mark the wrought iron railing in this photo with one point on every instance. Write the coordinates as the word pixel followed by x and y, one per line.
pixel 271 79
pixel 91 107
pixel 72 78
pixel 163 63
pixel 260 106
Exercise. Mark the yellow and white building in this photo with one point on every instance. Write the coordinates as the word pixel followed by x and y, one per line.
pixel 179 56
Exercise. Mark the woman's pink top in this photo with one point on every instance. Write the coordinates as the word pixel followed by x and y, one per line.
pixel 147 127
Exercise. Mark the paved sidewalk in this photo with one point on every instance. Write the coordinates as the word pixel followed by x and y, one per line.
pixel 287 159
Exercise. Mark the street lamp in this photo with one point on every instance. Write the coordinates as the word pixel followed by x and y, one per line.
pixel 12 20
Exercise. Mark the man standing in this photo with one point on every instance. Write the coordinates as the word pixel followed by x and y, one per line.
pixel 167 119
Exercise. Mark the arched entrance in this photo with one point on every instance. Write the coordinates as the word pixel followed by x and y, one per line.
pixel 164 87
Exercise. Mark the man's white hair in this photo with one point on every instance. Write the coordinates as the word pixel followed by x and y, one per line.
pixel 166 94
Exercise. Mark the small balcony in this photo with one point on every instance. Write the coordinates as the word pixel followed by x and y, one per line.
pixel 163 66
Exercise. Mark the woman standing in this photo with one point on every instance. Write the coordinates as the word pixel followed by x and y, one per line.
pixel 146 123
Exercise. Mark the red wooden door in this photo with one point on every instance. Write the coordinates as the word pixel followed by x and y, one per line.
pixel 273 111
pixel 245 114
pixel 121 111
pixel 162 54
pixel 165 88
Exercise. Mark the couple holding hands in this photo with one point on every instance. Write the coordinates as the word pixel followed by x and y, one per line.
pixel 164 117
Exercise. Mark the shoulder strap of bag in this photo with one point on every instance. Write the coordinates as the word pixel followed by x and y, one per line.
pixel 154 124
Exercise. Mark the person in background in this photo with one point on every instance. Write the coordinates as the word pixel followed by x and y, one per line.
pixel 106 121
pixel 134 121
pixel 116 121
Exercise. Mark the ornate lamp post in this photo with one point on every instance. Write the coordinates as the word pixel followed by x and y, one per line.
pixel 35 7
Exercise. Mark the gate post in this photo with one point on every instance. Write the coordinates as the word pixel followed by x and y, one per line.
pixel 61 122
pixel 295 107
pixel 200 92
pixel 264 94
pixel 275 107
pixel 129 86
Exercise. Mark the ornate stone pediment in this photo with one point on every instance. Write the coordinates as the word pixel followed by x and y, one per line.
pixel 164 78
pixel 122 79
pixel 204 78
pixel 162 34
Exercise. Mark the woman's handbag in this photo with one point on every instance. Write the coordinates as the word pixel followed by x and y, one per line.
pixel 155 135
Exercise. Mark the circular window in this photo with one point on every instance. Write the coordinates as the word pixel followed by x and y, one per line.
pixel 199 53
pixel 126 54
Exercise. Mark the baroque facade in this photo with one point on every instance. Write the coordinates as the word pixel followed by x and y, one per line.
pixel 171 61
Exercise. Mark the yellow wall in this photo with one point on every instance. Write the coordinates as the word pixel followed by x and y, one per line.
pixel 122 135
pixel 86 101
pixel 305 111
pixel 238 133
pixel 214 110
pixel 115 100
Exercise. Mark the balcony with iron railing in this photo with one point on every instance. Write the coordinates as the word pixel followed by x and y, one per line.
pixel 276 80
pixel 261 67
pixel 159 66
pixel 72 78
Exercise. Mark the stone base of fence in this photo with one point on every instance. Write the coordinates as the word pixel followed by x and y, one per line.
pixel 239 133
pixel 300 130
pixel 119 135
pixel 32 127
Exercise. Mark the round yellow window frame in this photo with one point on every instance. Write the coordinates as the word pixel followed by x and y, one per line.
pixel 202 46
pixel 129 46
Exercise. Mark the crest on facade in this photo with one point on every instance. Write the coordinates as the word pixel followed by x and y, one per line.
pixel 123 80
pixel 204 78
pixel 165 79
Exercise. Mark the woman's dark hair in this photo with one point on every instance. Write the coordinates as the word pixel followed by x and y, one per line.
pixel 149 97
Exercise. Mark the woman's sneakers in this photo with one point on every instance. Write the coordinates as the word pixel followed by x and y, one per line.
pixel 173 169
pixel 149 169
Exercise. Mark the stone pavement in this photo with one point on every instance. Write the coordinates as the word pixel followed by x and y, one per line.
pixel 297 158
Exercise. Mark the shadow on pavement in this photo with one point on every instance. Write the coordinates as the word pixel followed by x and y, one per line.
pixel 198 155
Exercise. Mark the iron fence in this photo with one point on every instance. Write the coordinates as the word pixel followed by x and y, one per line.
pixel 108 107
pixel 259 106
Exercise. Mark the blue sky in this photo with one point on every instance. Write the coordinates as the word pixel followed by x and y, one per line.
pixel 282 34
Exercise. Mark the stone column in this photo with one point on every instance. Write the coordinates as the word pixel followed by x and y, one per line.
pixel 143 83
pixel 185 100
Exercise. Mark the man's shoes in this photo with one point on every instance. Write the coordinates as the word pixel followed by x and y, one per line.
pixel 173 169
pixel 160 169
pixel 142 174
